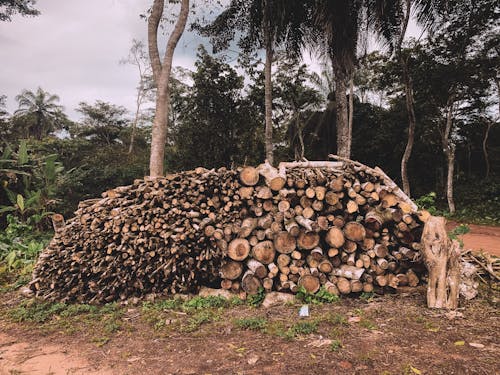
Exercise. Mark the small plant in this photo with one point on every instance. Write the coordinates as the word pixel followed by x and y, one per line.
pixel 336 345
pixel 321 296
pixel 256 300
pixel 304 328
pixel 252 323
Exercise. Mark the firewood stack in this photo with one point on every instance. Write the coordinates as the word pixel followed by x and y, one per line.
pixel 340 225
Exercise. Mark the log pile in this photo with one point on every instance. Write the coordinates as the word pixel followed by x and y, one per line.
pixel 337 225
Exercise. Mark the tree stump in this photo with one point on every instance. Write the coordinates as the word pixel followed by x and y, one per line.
pixel 442 259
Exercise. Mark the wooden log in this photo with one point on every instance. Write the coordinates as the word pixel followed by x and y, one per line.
pixel 356 286
pixel 250 283
pixel 331 198
pixel 248 225
pixel 257 268
pixel 308 240
pixel 348 272
pixel 283 260
pixel 354 231
pixel 325 266
pixel 331 288
pixel 343 285
pixel 231 270
pixel 264 252
pixel 249 176
pixel 335 237
pixel 309 283
pixel 284 242
pixel 238 249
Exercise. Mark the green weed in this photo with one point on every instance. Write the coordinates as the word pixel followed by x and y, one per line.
pixel 253 323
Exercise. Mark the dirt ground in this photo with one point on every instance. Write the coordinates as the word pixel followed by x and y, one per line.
pixel 481 237
pixel 391 334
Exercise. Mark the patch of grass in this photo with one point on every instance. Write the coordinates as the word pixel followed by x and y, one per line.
pixel 252 323
pixel 198 303
pixel 34 311
pixel 277 328
pixel 367 323
pixel 198 319
pixel 336 345
pixel 336 319
pixel 70 318
pixel 304 327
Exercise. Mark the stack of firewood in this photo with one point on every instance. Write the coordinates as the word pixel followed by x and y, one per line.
pixel 337 225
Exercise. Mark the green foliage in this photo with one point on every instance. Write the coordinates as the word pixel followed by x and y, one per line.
pixel 256 300
pixel 459 231
pixel 251 323
pixel 321 296
pixel 20 246
pixel 217 126
pixel 35 311
pixel 428 202
pixel 199 303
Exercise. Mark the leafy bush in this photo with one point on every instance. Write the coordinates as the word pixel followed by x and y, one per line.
pixel 321 296
pixel 20 246
pixel 256 300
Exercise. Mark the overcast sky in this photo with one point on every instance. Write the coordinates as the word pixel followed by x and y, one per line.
pixel 73 50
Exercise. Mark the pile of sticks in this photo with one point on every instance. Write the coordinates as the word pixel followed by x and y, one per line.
pixel 337 225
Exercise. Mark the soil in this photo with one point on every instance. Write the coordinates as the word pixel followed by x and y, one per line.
pixel 481 237
pixel 391 334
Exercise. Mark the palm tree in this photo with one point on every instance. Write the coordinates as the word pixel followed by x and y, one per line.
pixel 42 109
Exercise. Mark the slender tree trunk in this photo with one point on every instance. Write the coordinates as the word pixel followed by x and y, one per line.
pixel 412 122
pixel 351 113
pixel 138 103
pixel 485 149
pixel 449 151
pixel 268 89
pixel 161 74
pixel 409 102
pixel 341 116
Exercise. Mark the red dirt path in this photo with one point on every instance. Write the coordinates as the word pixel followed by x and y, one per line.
pixel 481 237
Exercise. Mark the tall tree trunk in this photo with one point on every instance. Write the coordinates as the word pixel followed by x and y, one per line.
pixel 268 89
pixel 449 151
pixel 485 149
pixel 351 113
pixel 161 74
pixel 341 116
pixel 412 122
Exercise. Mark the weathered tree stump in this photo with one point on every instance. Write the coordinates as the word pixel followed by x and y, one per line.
pixel 442 259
